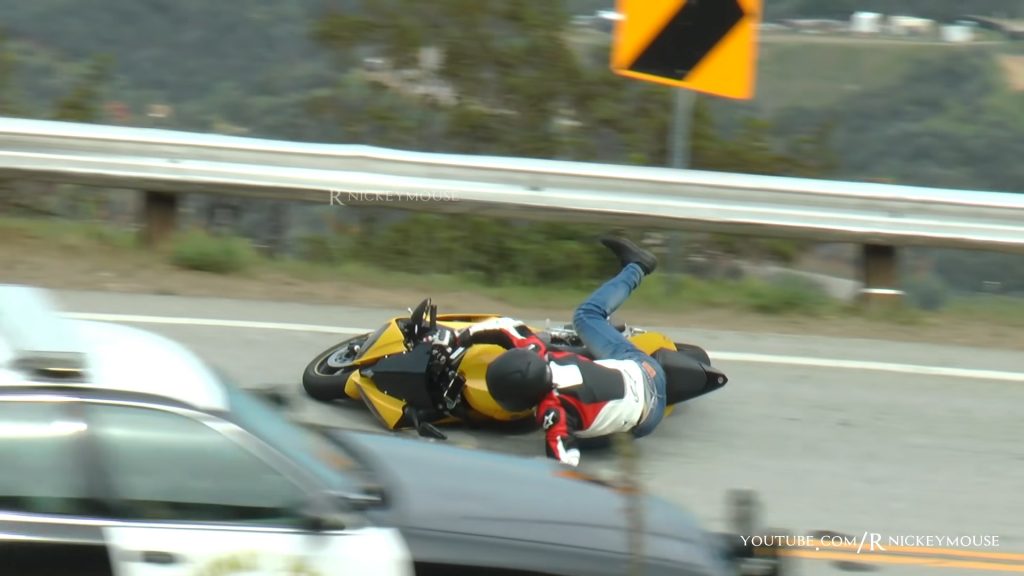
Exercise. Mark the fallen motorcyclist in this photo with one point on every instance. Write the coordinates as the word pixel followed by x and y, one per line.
pixel 621 389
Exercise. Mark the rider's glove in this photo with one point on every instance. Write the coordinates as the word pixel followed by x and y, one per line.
pixel 503 331
pixel 502 323
pixel 571 457
pixel 561 447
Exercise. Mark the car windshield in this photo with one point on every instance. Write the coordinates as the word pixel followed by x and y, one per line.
pixel 328 460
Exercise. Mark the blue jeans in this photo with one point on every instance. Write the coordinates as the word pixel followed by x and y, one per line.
pixel 606 343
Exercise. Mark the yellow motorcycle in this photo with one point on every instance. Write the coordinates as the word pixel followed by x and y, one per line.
pixel 409 377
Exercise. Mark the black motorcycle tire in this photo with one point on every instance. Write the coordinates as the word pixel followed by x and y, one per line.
pixel 328 387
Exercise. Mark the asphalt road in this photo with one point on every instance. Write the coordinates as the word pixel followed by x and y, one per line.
pixel 847 450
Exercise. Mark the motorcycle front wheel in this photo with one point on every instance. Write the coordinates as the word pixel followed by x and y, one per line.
pixel 324 378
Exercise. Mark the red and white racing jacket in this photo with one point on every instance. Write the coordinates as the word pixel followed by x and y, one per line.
pixel 590 398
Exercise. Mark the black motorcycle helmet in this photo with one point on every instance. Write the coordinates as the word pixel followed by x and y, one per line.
pixel 518 379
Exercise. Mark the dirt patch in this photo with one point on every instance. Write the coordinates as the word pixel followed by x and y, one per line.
pixel 1013 68
pixel 70 264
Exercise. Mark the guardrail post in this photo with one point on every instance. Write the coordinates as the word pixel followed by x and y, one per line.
pixel 159 217
pixel 881 279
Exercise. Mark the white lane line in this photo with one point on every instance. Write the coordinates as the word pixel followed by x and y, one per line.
pixel 724 356
pixel 140 319
pixel 863 365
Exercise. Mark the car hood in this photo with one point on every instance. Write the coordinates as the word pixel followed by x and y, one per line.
pixel 444 494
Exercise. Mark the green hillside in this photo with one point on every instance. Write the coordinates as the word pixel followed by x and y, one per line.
pixel 525 82
pixel 920 113
pixel 823 75
pixel 938 9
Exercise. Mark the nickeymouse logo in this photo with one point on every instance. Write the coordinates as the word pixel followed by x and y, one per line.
pixel 341 197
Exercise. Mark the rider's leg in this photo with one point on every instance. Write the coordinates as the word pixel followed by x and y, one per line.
pixel 605 342
pixel 657 396
pixel 591 317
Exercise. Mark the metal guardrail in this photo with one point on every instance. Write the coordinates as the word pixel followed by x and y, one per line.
pixel 162 160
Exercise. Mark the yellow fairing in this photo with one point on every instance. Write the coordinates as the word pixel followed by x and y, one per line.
pixel 651 342
pixel 387 409
pixel 391 341
pixel 474 369
pixel 352 386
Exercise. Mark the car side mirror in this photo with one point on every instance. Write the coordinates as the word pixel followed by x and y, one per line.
pixel 371 496
pixel 316 519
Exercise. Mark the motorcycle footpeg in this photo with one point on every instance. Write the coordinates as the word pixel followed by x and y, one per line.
pixel 425 429
pixel 428 430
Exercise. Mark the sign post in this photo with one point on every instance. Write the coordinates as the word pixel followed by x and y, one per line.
pixel 707 46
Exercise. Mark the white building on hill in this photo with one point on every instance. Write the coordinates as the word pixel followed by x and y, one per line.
pixel 911 26
pixel 866 23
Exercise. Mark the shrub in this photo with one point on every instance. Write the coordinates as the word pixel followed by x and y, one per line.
pixel 785 293
pixel 926 292
pixel 197 250
pixel 321 249
pixel 113 237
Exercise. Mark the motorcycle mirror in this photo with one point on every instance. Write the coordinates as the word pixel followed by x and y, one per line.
pixel 415 325
pixel 416 316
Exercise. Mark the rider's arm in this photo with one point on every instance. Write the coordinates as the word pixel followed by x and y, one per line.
pixel 559 441
pixel 505 332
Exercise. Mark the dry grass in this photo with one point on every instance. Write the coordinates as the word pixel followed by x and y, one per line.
pixel 1013 67
pixel 74 257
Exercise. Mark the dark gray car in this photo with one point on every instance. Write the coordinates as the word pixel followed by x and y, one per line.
pixel 482 509
pixel 466 511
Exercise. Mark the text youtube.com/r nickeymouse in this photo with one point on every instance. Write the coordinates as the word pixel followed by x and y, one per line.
pixel 874 541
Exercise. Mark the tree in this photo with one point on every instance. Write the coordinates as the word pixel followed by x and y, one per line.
pixel 508 63
pixel 7 67
pixel 760 147
pixel 83 103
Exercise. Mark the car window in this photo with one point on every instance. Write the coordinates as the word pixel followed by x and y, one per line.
pixel 327 460
pixel 39 469
pixel 165 466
